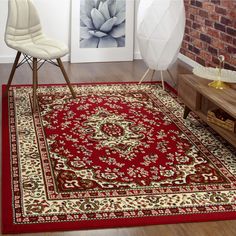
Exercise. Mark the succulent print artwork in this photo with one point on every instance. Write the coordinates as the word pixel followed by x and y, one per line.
pixel 102 23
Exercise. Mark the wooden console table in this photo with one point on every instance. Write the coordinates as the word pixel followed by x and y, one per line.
pixel 199 98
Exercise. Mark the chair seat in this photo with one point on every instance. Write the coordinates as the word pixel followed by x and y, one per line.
pixel 43 48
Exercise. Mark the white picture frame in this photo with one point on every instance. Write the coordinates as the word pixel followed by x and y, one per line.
pixel 116 49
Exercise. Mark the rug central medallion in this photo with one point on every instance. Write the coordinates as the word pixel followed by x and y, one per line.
pixel 113 131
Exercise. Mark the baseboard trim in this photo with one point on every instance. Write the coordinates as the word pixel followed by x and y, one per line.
pixel 188 60
pixel 10 59
pixel 7 59
pixel 137 55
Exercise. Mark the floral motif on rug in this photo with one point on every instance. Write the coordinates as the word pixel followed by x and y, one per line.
pixel 115 152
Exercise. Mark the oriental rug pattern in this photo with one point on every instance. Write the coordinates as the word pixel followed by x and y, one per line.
pixel 118 155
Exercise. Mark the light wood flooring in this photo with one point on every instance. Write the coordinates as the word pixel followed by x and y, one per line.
pixel 117 72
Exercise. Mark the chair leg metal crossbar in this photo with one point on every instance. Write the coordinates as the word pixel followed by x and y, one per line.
pixel 35 67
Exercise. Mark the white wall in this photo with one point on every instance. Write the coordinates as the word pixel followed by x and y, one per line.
pixel 4 51
pixel 55 19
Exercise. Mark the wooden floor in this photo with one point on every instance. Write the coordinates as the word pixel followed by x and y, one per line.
pixel 118 72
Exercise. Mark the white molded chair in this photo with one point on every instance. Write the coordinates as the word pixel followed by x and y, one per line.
pixel 24 34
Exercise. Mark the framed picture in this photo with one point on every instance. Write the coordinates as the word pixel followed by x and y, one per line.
pixel 102 30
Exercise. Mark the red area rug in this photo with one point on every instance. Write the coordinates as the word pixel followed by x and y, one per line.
pixel 119 155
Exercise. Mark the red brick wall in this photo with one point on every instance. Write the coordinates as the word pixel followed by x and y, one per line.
pixel 210 32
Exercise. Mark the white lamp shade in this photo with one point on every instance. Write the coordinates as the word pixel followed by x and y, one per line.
pixel 161 25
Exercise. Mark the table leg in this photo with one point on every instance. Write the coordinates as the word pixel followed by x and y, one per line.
pixel 186 112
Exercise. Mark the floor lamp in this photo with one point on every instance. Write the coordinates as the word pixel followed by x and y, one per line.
pixel 161 25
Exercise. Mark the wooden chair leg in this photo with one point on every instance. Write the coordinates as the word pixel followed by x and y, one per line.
pixel 35 75
pixel 66 77
pixel 13 70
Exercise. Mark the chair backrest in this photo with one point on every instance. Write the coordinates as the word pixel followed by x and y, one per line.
pixel 23 23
